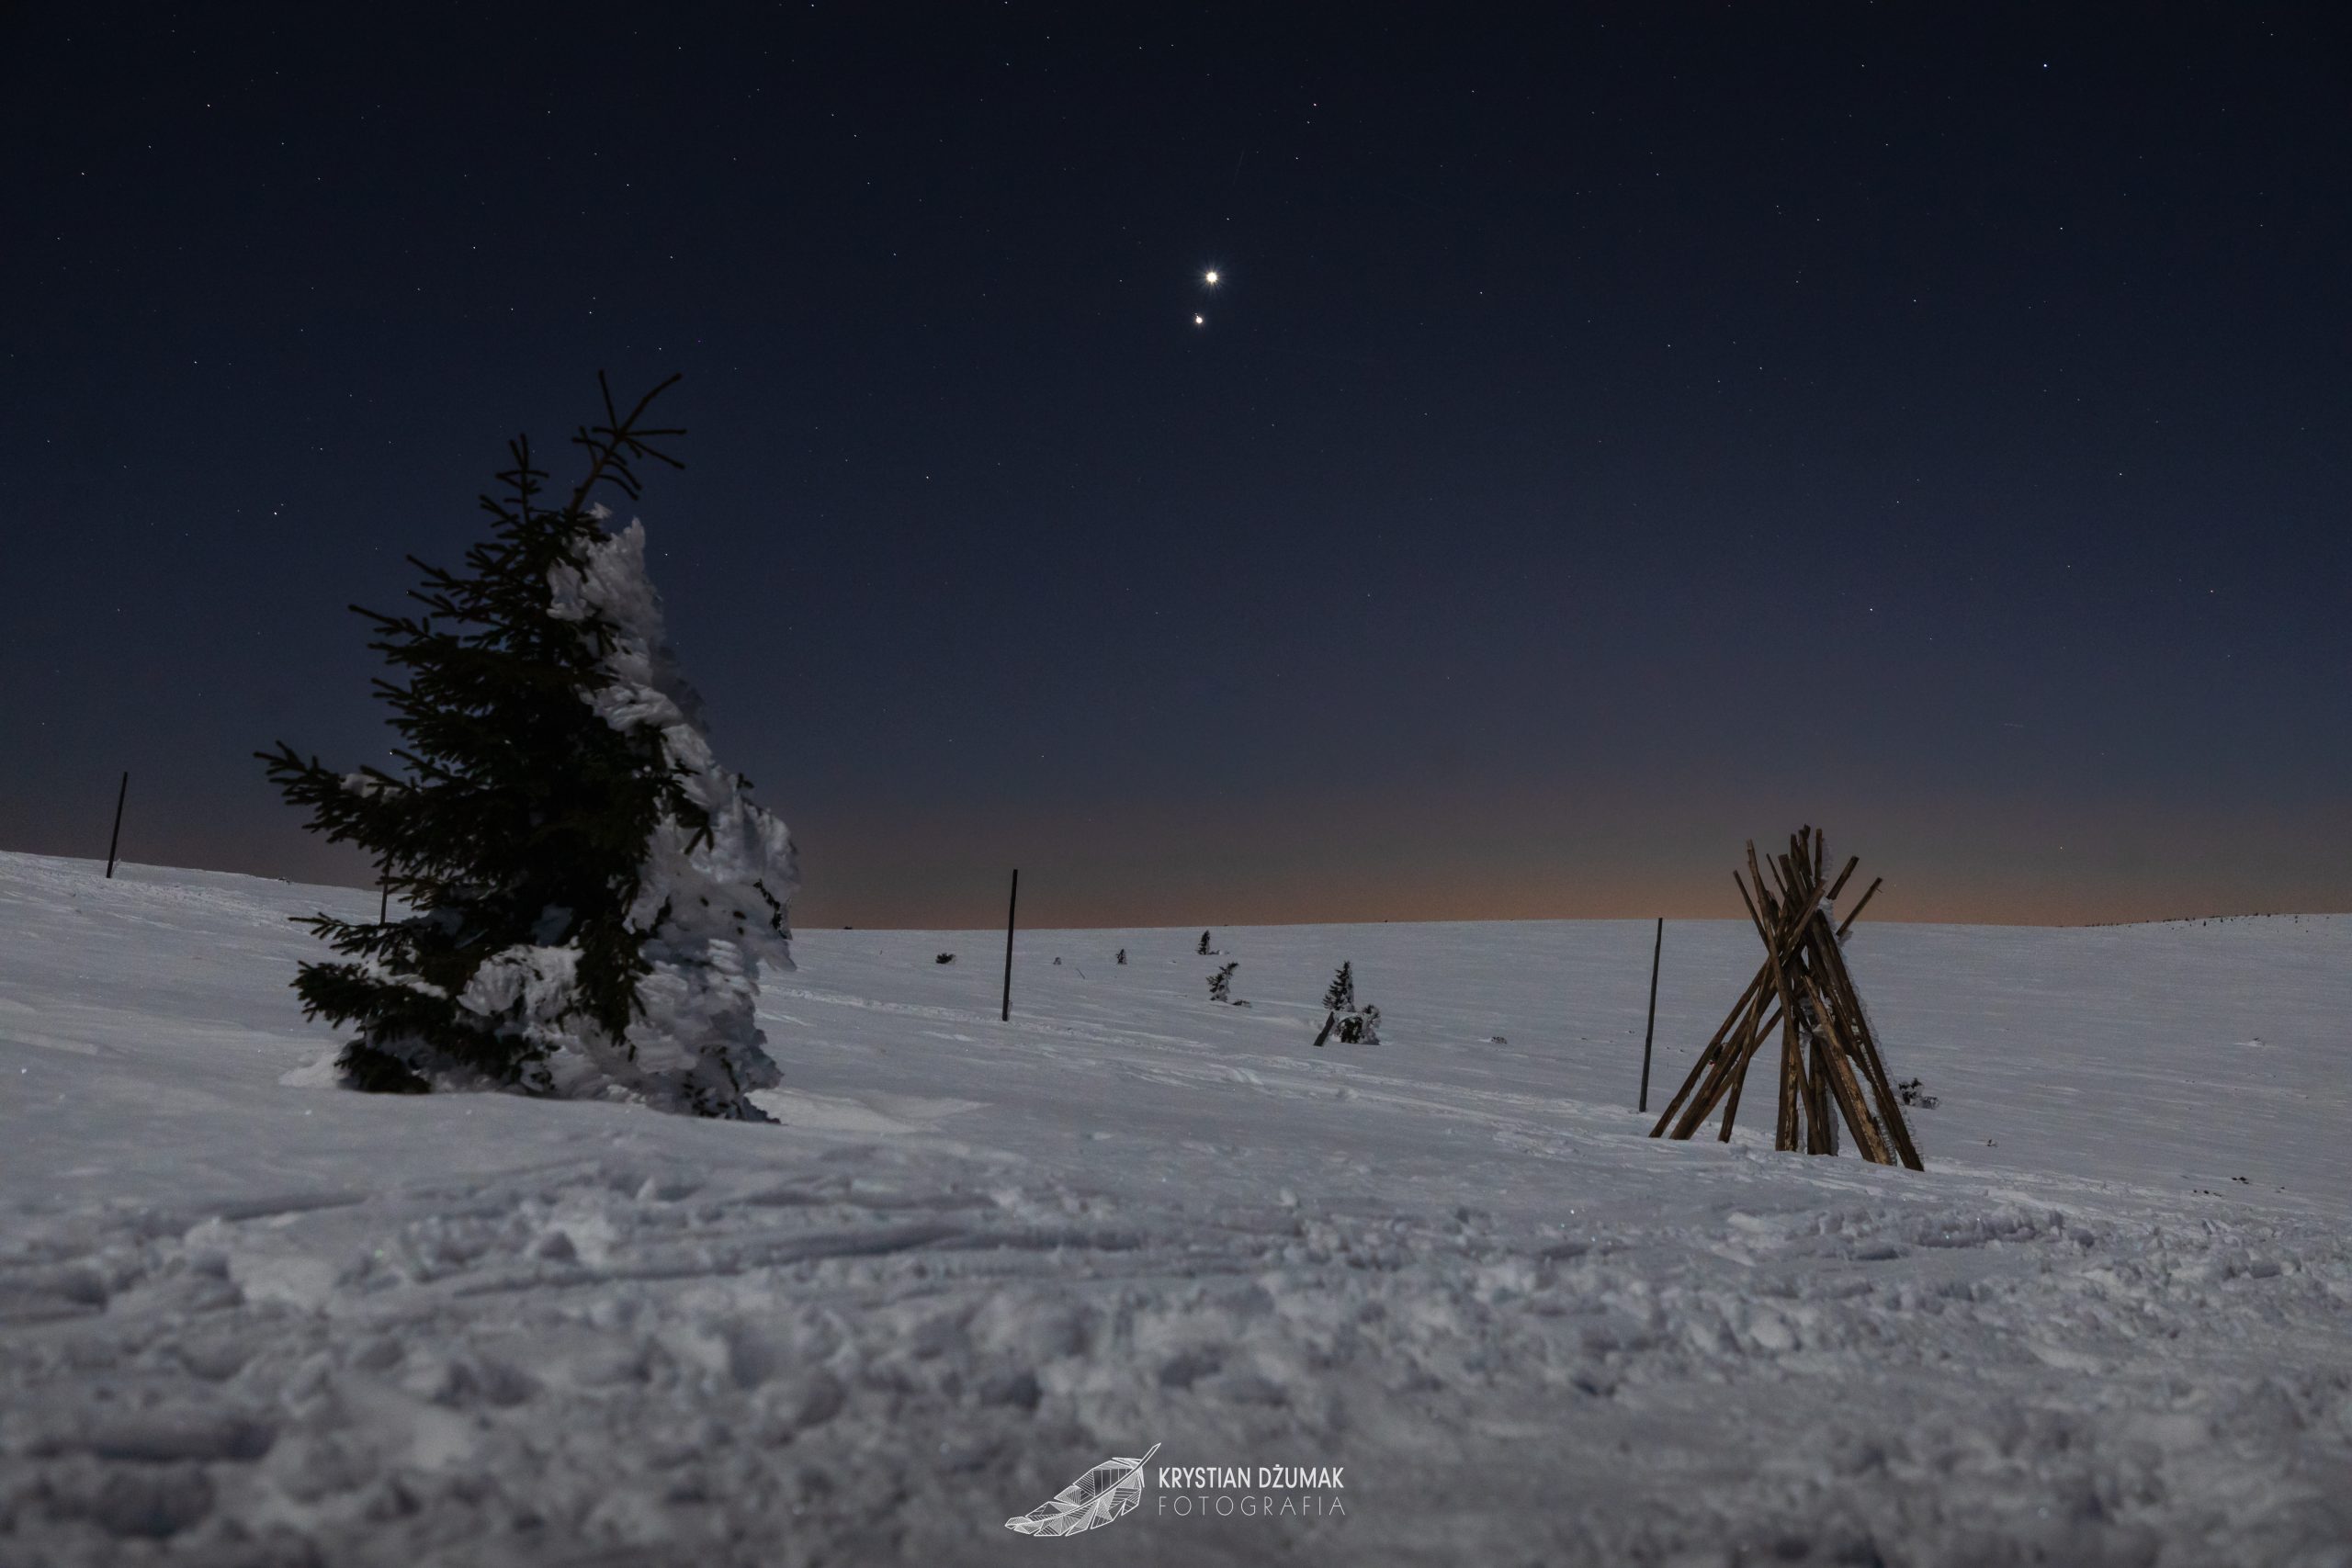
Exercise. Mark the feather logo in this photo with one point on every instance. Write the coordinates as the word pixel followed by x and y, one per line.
pixel 1110 1491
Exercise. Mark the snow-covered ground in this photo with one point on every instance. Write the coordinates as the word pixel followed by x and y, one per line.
pixel 245 1317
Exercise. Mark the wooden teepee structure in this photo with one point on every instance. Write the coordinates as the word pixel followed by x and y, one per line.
pixel 1828 1057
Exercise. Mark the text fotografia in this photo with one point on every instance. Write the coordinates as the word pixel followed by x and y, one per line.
pixel 1251 1491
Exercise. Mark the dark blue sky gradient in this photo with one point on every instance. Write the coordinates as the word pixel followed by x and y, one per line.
pixel 1614 438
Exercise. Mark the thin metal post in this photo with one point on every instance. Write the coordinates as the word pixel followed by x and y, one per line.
pixel 1010 905
pixel 116 842
pixel 1649 1029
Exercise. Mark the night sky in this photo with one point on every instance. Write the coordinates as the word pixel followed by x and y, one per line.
pixel 1610 439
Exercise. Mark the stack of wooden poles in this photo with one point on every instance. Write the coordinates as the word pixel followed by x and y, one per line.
pixel 1828 1057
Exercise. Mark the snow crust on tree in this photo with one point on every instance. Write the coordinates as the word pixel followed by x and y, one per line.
pixel 711 897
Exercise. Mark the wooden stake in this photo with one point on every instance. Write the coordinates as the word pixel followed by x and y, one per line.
pixel 112 844
pixel 1883 1087
pixel 1763 894
pixel 1856 913
pixel 1784 1126
pixel 1698 1070
pixel 1739 1074
pixel 1817 1131
pixel 1649 1029
pixel 1730 1058
pixel 1787 1124
pixel 1864 1050
pixel 1707 1057
pixel 1723 1065
pixel 1712 1062
pixel 1011 904
pixel 1831 1062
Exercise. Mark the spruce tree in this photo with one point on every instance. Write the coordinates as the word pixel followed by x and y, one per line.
pixel 1341 997
pixel 1221 983
pixel 588 893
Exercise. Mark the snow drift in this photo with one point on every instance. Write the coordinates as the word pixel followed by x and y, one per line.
pixel 246 1319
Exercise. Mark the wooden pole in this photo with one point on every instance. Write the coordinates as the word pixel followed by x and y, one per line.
pixel 116 842
pixel 1738 1078
pixel 1649 1029
pixel 1850 1000
pixel 1856 913
pixel 1832 1066
pixel 1731 1068
pixel 1729 1063
pixel 1010 905
pixel 1707 1057
pixel 1785 1129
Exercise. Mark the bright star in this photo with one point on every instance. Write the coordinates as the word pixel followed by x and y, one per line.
pixel 1212 274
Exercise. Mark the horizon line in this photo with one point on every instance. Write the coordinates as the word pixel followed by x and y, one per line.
pixel 1646 917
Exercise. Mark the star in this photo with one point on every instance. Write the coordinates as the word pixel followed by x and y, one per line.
pixel 1200 320
pixel 1212 277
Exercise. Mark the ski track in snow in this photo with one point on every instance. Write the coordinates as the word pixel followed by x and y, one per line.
pixel 244 1320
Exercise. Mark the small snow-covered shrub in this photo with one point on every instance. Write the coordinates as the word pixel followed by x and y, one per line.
pixel 1910 1093
pixel 945 958
pixel 1221 983
pixel 1355 1025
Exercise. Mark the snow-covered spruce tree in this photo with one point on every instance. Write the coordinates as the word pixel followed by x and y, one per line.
pixel 1341 994
pixel 589 894
pixel 1221 983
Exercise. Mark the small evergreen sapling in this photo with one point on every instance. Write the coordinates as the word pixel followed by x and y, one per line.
pixel 1356 1025
pixel 1221 983
pixel 588 895
pixel 1122 955
pixel 1204 944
